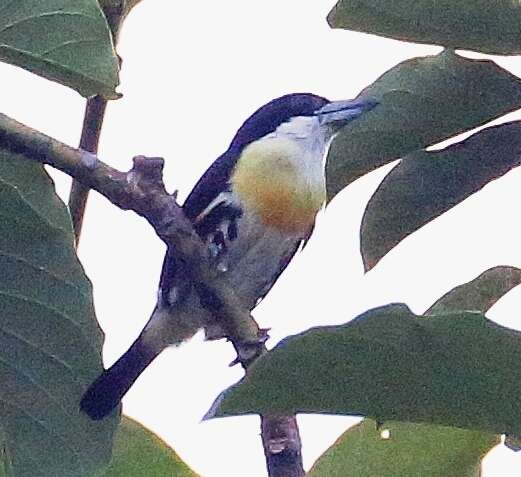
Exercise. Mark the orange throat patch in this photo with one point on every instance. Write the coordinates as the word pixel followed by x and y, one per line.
pixel 269 184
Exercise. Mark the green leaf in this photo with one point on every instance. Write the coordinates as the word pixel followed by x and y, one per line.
pixel 138 452
pixel 456 369
pixel 479 294
pixel 422 449
pixel 425 184
pixel 422 101
pixel 410 450
pixel 67 41
pixel 489 26
pixel 50 343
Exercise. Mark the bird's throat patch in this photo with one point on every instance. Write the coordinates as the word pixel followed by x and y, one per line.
pixel 267 180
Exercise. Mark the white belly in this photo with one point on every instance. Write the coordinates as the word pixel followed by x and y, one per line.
pixel 254 260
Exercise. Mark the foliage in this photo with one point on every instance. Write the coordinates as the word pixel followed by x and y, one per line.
pixel 418 374
pixel 409 449
pixel 49 339
pixel 427 183
pixel 138 452
pixel 422 101
pixel 454 369
pixel 489 26
pixel 63 40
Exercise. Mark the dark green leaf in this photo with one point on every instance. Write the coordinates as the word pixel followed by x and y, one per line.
pixel 411 450
pixel 138 452
pixel 423 101
pixel 67 41
pixel 50 344
pixel 422 449
pixel 426 184
pixel 489 26
pixel 455 369
pixel 479 294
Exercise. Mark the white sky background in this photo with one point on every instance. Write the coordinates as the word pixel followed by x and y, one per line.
pixel 192 72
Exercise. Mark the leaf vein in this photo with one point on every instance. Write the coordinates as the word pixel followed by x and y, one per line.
pixel 34 418
pixel 31 207
pixel 57 312
pixel 38 349
pixel 78 74
pixel 66 43
pixel 40 269
pixel 8 26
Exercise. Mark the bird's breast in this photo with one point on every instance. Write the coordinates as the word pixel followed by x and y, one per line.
pixel 273 179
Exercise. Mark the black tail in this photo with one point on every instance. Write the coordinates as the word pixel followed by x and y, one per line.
pixel 104 394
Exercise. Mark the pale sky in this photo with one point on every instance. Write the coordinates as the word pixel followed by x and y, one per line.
pixel 192 72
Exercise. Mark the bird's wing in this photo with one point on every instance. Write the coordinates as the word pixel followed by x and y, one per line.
pixel 205 213
pixel 210 185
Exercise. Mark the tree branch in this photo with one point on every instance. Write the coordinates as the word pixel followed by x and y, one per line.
pixel 142 190
pixel 282 446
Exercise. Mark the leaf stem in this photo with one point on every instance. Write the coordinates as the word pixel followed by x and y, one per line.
pixel 115 13
pixel 90 134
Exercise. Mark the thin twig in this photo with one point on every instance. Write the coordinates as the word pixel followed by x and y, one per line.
pixel 142 190
pixel 115 12
pixel 90 134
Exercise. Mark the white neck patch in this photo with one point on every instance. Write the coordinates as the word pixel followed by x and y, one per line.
pixel 312 140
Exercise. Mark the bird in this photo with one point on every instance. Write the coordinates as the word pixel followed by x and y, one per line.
pixel 253 208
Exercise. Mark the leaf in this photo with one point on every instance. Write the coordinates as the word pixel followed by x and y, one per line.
pixel 480 25
pixel 479 294
pixel 457 369
pixel 50 343
pixel 67 41
pixel 426 184
pixel 411 450
pixel 422 101
pixel 138 452
pixel 422 449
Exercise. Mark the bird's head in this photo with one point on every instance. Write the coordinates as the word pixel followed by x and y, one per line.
pixel 300 115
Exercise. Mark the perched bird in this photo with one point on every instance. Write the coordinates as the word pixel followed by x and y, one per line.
pixel 254 207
